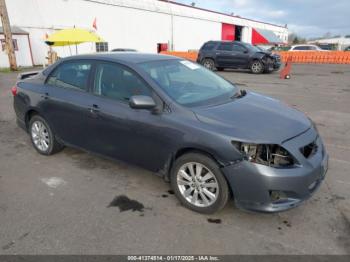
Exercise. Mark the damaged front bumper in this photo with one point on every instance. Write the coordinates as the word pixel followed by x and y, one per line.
pixel 267 189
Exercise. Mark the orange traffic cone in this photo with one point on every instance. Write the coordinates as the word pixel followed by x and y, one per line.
pixel 285 72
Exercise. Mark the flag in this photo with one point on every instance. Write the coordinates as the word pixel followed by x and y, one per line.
pixel 94 24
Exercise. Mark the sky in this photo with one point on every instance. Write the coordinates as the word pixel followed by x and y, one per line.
pixel 306 18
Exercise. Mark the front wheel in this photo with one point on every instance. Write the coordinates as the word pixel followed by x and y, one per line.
pixel 199 184
pixel 257 67
pixel 42 136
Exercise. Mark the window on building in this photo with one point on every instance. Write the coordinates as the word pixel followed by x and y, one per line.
pixel 102 47
pixel 72 75
pixel 14 42
pixel 118 82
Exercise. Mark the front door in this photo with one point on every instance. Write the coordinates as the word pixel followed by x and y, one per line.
pixel 118 131
pixel 240 55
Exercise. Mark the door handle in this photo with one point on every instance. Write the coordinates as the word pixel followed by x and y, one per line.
pixel 94 109
pixel 45 95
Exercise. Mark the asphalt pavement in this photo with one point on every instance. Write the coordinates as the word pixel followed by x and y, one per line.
pixel 67 203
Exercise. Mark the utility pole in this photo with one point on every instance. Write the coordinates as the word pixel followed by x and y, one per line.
pixel 8 35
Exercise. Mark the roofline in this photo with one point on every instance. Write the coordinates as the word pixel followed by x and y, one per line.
pixel 220 13
pixel 114 56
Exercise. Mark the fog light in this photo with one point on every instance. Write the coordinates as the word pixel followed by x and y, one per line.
pixel 312 185
pixel 277 195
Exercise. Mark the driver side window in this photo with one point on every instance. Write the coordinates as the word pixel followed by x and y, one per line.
pixel 238 48
pixel 118 82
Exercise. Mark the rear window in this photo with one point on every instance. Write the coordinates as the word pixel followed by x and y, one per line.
pixel 208 46
pixel 73 75
pixel 225 46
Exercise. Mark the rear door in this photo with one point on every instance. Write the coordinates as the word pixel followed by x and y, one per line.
pixel 224 55
pixel 66 103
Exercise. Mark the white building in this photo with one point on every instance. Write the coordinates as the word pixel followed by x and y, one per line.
pixel 21 44
pixel 138 24
pixel 340 42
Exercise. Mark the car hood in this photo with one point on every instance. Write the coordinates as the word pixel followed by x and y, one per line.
pixel 255 118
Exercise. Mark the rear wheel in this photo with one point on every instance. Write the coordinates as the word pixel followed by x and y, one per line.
pixel 42 136
pixel 199 184
pixel 257 67
pixel 208 63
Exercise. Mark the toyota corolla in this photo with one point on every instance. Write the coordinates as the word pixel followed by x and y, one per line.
pixel 212 141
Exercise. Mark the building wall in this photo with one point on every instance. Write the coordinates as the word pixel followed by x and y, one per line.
pixel 22 55
pixel 139 24
pixel 341 42
pixel 191 33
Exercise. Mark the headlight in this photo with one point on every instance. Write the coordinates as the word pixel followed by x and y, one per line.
pixel 265 154
pixel 313 124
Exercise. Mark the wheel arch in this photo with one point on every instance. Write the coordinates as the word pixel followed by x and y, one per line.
pixel 208 57
pixel 185 150
pixel 28 115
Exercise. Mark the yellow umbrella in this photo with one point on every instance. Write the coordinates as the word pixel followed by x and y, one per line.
pixel 72 36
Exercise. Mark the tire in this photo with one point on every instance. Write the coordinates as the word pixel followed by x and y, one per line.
pixel 208 63
pixel 220 69
pixel 196 187
pixel 269 68
pixel 257 67
pixel 42 137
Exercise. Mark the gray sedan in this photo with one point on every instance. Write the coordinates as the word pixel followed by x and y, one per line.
pixel 211 140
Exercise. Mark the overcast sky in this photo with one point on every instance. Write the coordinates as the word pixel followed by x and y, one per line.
pixel 307 18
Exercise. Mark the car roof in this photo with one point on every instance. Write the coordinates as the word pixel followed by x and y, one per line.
pixel 303 45
pixel 223 41
pixel 127 57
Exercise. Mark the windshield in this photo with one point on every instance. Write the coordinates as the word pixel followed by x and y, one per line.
pixel 188 83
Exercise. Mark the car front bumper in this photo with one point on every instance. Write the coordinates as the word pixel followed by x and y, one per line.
pixel 277 65
pixel 256 186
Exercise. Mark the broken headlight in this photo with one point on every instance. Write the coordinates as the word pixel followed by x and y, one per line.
pixel 313 124
pixel 266 154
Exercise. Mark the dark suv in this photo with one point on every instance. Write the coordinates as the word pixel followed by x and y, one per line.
pixel 228 54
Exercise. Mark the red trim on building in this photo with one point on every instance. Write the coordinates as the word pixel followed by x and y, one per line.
pixel 257 38
pixel 227 32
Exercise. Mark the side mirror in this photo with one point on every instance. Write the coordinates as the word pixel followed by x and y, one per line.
pixel 142 102
pixel 245 51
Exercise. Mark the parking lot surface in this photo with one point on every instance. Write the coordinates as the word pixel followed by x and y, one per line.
pixel 62 204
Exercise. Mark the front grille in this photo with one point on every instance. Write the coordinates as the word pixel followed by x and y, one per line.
pixel 309 150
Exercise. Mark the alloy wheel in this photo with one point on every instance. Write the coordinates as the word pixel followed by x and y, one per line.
pixel 209 64
pixel 40 136
pixel 197 184
pixel 256 67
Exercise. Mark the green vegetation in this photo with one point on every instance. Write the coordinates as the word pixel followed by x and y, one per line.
pixel 5 70
pixel 20 69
